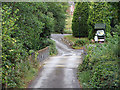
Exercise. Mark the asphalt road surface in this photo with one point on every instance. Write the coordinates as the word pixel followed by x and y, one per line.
pixel 59 71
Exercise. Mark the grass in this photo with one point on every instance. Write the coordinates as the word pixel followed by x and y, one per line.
pixel 29 76
pixel 84 77
pixel 71 38
pixel 74 39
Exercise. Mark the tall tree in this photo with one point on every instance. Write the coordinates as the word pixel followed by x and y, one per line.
pixel 59 11
pixel 25 27
pixel 80 27
pixel 98 13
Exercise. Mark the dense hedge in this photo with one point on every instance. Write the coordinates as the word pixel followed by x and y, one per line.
pixel 99 13
pixel 12 50
pixel 102 64
pixel 92 13
pixel 26 27
pixel 37 20
pixel 80 28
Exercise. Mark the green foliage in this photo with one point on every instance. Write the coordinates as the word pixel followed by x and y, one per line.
pixel 115 13
pixel 81 26
pixel 98 13
pixel 31 51
pixel 105 75
pixel 26 28
pixel 116 29
pixel 81 42
pixel 67 31
pixel 35 24
pixel 59 11
pixel 76 43
pixel 103 62
pixel 84 77
pixel 52 47
pixel 92 13
pixel 68 25
pixel 12 50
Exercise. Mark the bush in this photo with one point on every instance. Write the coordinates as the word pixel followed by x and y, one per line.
pixel 99 13
pixel 105 75
pixel 26 28
pixel 52 47
pixel 81 27
pixel 81 42
pixel 13 52
pixel 84 77
pixel 103 62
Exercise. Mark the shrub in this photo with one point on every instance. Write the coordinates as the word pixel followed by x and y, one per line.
pixel 81 42
pixel 13 52
pixel 25 29
pixel 52 47
pixel 98 13
pixel 81 27
pixel 103 62
pixel 85 64
pixel 105 75
pixel 83 77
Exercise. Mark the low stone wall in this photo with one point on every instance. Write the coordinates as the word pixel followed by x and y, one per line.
pixel 41 54
pixel 67 42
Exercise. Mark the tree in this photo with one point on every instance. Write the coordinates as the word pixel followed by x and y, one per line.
pixel 81 10
pixel 59 11
pixel 25 27
pixel 98 13
pixel 35 24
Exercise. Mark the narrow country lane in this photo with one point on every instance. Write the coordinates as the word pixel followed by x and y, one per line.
pixel 59 71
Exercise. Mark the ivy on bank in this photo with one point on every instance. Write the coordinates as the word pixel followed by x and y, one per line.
pixel 101 64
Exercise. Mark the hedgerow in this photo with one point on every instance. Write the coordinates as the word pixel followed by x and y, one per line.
pixel 12 50
pixel 98 13
pixel 80 27
pixel 26 28
pixel 102 62
pixel 92 13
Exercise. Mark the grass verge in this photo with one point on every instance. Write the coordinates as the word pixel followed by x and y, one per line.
pixel 78 43
pixel 84 77
pixel 71 38
pixel 30 76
